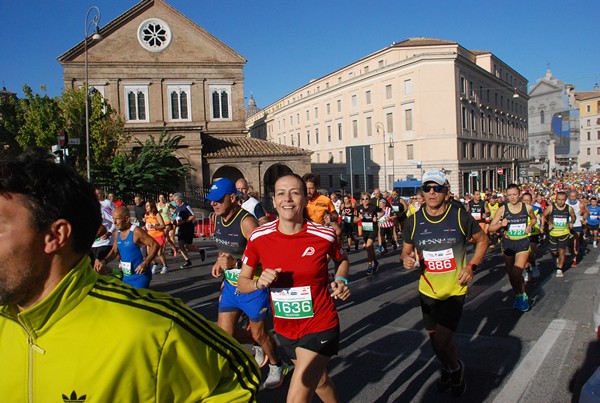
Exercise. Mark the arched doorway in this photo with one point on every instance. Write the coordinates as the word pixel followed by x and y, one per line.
pixel 227 172
pixel 269 179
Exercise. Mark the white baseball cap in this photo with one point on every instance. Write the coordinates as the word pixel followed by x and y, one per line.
pixel 434 176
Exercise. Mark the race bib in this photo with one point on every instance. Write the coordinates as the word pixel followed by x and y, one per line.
pixel 476 216
pixel 560 222
pixel 232 275
pixel 396 209
pixel 367 226
pixel 125 268
pixel 292 303
pixel 594 217
pixel 516 230
pixel 347 219
pixel 440 261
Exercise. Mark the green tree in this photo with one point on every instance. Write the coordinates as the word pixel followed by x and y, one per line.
pixel 146 169
pixel 42 120
pixel 11 118
pixel 107 132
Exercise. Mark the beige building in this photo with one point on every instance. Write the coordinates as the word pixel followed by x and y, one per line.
pixel 163 72
pixel 416 105
pixel 589 119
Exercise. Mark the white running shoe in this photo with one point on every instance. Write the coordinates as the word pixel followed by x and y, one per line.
pixel 164 270
pixel 276 376
pixel 535 273
pixel 155 269
pixel 260 356
pixel 559 273
pixel 595 244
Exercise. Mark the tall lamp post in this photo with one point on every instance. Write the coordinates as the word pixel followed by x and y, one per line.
pixel 378 126
pixel 96 37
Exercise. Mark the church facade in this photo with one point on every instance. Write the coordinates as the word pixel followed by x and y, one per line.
pixel 164 73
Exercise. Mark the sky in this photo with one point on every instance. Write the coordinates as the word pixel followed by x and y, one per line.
pixel 287 43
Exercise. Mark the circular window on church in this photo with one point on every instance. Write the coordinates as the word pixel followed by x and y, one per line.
pixel 154 35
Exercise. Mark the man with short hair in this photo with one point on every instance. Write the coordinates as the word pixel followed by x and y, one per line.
pixel 249 203
pixel 68 333
pixel 319 205
pixel 233 226
pixel 580 220
pixel 139 211
pixel 560 217
pixel 184 221
pixel 435 240
pixel 127 243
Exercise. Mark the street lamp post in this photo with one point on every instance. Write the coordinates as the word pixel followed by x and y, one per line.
pixel 378 126
pixel 93 23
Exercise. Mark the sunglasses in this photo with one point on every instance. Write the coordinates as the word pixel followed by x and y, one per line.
pixel 365 199
pixel 436 188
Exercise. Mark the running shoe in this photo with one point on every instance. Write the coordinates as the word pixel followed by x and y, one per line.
pixel 375 267
pixel 394 245
pixel 380 249
pixel 155 269
pixel 526 275
pixel 260 356
pixel 444 384
pixel 458 385
pixel 523 303
pixel 516 303
pixel 535 273
pixel 188 263
pixel 164 270
pixel 595 244
pixel 347 250
pixel 276 376
pixel 202 254
pixel 574 263
pixel 356 245
pixel 559 273
pixel 369 270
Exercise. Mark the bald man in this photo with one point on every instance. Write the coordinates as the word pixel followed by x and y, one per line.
pixel 249 203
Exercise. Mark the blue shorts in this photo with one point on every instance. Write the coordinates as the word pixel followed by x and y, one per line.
pixel 139 280
pixel 577 230
pixel 256 304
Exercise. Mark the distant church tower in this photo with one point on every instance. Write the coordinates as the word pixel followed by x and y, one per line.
pixel 251 109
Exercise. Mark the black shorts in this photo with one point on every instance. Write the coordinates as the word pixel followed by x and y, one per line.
pixel 558 242
pixel 325 343
pixel 534 238
pixel 387 232
pixel 186 234
pixel 445 312
pixel 512 247
pixel 369 235
pixel 347 229
pixel 593 227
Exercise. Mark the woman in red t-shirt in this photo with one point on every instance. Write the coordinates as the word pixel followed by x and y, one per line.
pixel 294 253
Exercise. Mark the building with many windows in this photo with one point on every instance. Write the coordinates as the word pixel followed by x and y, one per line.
pixel 164 73
pixel 418 104
pixel 589 113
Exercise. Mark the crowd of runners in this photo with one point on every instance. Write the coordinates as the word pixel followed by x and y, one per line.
pixel 561 213
pixel 286 273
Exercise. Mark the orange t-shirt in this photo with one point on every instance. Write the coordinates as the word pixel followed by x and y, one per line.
pixel 317 208
pixel 153 220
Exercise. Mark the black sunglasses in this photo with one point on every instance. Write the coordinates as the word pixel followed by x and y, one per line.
pixel 436 188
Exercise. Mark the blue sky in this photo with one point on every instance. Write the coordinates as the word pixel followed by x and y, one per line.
pixel 287 43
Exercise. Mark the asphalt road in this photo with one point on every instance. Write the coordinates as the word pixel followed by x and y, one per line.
pixel 544 355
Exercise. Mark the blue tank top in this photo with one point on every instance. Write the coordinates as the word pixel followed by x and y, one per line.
pixel 131 254
pixel 594 217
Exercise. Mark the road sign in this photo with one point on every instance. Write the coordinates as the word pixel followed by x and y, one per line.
pixel 500 171
pixel 61 138
pixel 74 141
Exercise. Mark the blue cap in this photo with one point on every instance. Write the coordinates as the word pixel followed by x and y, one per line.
pixel 221 188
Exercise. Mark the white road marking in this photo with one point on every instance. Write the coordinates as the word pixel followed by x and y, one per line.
pixel 516 385
pixel 594 268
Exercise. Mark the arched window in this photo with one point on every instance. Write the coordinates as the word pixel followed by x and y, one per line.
pixel 136 98
pixel 179 108
pixel 221 102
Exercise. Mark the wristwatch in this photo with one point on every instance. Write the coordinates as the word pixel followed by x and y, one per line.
pixel 473 267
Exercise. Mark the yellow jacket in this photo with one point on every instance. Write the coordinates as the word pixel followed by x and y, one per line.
pixel 96 338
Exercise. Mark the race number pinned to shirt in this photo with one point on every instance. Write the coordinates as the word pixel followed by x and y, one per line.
pixel 476 216
pixel 232 275
pixel 125 268
pixel 439 261
pixel 292 303
pixel 367 226
pixel 347 219
pixel 516 230
pixel 560 222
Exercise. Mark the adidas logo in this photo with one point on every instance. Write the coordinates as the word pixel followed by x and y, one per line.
pixel 73 398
